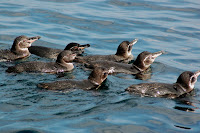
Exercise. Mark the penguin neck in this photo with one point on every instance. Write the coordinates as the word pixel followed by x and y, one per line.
pixel 68 65
pixel 20 51
pixel 178 87
pixel 95 80
pixel 89 84
pixel 124 55
pixel 139 65
pixel 137 68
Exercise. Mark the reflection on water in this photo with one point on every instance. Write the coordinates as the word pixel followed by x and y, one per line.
pixel 172 26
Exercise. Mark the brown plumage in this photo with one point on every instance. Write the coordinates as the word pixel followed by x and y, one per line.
pixel 62 64
pixel 19 48
pixel 95 79
pixel 184 84
pixel 123 54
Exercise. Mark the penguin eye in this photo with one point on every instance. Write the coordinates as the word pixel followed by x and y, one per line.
pixel 147 60
pixel 129 48
pixel 105 74
pixel 193 79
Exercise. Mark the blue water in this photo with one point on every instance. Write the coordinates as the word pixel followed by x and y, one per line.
pixel 169 25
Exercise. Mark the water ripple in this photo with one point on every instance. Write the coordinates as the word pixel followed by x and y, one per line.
pixel 172 26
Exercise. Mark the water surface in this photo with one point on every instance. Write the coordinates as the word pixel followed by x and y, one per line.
pixel 172 26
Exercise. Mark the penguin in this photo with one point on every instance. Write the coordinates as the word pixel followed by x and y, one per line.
pixel 123 54
pixel 19 48
pixel 141 64
pixel 184 84
pixel 94 81
pixel 52 53
pixel 62 64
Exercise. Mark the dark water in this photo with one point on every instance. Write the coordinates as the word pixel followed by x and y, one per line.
pixel 169 25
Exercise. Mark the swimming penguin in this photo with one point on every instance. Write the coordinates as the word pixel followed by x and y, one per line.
pixel 123 54
pixel 19 48
pixel 142 63
pixel 52 53
pixel 96 77
pixel 62 64
pixel 184 84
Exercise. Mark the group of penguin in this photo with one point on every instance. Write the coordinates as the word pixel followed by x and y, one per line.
pixel 101 66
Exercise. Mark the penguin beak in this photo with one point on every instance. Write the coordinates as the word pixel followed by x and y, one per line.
pixel 196 74
pixel 156 54
pixel 133 42
pixel 193 80
pixel 84 46
pixel 81 48
pixel 151 57
pixel 111 70
pixel 33 39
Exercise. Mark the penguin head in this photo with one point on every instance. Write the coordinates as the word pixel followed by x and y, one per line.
pixel 22 43
pixel 125 48
pixel 76 47
pixel 187 80
pixel 65 56
pixel 99 74
pixel 72 45
pixel 145 59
